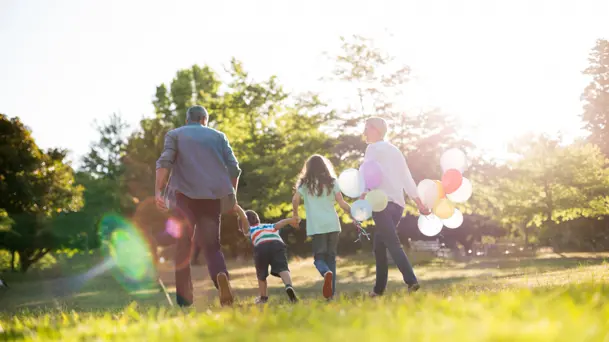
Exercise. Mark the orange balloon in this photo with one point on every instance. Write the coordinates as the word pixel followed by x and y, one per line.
pixel 441 193
pixel 451 180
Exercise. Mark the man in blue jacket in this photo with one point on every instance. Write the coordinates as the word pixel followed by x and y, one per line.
pixel 204 178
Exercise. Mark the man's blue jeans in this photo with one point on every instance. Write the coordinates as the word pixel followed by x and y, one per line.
pixel 386 238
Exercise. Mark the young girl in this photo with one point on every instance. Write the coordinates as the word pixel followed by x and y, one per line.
pixel 318 186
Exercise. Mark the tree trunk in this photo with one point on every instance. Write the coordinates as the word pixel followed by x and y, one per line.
pixel 24 265
pixel 467 245
pixel 12 260
pixel 526 236
pixel 28 258
pixel 549 203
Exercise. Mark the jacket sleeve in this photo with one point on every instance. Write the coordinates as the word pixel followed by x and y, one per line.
pixel 170 151
pixel 229 158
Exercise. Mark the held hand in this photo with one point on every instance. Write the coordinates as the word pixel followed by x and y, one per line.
pixel 295 222
pixel 424 210
pixel 160 201
pixel 235 209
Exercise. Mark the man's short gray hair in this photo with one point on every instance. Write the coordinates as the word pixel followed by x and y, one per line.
pixel 196 114
pixel 379 124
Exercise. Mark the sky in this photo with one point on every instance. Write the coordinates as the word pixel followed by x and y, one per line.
pixel 503 67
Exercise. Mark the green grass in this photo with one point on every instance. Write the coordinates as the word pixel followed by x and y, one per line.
pixel 549 298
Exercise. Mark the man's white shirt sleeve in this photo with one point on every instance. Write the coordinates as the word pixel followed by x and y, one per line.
pixel 409 185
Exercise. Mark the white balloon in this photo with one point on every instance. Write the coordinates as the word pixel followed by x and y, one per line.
pixel 362 183
pixel 361 210
pixel 430 225
pixel 428 192
pixel 462 194
pixel 351 183
pixel 453 158
pixel 454 221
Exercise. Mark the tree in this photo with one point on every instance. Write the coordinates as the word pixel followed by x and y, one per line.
pixel 5 221
pixel 104 159
pixel 104 166
pixel 5 228
pixel 35 187
pixel 596 96
pixel 551 184
pixel 104 191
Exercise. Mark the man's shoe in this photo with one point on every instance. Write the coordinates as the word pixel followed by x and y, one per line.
pixel 224 289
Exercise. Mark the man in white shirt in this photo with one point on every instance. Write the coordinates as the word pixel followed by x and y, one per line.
pixel 396 179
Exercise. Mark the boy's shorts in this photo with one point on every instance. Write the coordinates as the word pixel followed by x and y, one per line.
pixel 271 253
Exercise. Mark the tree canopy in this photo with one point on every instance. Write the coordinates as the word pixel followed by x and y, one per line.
pixel 545 195
pixel 36 187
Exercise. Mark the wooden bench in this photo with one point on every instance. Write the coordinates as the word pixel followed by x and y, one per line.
pixel 425 246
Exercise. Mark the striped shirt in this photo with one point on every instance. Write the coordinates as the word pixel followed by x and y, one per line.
pixel 264 232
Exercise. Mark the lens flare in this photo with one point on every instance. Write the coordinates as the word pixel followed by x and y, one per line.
pixel 173 228
pixel 133 264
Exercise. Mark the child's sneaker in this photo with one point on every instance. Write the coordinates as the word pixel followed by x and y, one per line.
pixel 261 300
pixel 327 289
pixel 225 292
pixel 413 288
pixel 291 294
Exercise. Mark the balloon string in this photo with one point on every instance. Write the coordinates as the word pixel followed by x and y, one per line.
pixel 361 232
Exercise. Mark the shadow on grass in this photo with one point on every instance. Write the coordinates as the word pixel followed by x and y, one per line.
pixel 108 295
pixel 105 293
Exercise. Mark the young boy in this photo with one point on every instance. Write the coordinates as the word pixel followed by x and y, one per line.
pixel 269 249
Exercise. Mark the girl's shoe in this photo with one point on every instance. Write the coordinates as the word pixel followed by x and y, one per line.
pixel 327 289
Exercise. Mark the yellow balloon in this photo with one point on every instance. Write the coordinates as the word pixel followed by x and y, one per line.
pixel 444 209
pixel 377 199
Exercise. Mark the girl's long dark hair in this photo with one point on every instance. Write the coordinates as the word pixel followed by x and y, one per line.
pixel 317 175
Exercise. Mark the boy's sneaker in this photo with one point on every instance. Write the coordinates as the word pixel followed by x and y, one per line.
pixel 413 288
pixel 327 289
pixel 224 289
pixel 291 294
pixel 261 300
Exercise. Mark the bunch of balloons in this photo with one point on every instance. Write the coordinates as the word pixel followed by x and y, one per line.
pixel 353 183
pixel 441 195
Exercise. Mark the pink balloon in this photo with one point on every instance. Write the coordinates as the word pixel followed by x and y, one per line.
pixel 451 180
pixel 373 174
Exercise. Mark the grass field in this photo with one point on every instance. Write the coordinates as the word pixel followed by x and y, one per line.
pixel 547 298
